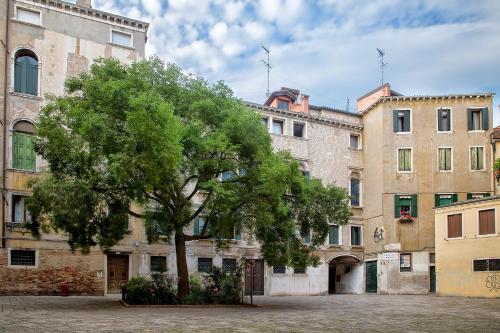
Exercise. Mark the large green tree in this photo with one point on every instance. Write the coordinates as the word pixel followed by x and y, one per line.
pixel 149 141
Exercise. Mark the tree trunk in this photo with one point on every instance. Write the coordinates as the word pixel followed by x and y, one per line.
pixel 182 270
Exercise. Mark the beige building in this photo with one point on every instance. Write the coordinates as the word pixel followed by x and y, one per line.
pixel 419 152
pixel 468 248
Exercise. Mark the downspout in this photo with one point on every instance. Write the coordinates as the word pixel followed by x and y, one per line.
pixel 4 121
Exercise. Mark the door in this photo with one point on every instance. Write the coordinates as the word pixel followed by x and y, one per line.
pixel 332 272
pixel 254 277
pixel 117 272
pixel 371 276
pixel 432 271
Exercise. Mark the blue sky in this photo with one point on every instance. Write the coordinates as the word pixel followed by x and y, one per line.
pixel 327 48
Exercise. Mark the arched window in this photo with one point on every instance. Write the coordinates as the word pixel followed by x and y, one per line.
pixel 26 72
pixel 23 152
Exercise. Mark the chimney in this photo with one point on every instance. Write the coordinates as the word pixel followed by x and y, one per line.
pixel 84 3
pixel 305 103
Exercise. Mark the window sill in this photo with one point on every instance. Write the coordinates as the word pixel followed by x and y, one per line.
pixel 477 170
pixel 454 238
pixel 405 172
pixel 21 267
pixel 445 132
pixel 487 236
pixel 18 94
pixel 27 23
pixel 445 171
pixel 122 46
pixel 355 149
pixel 356 246
pixel 334 246
pixel 357 207
pixel 33 172
pixel 476 131
pixel 403 133
pixel 279 274
pixel 301 138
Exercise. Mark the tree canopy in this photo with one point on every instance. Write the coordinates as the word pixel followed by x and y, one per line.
pixel 148 141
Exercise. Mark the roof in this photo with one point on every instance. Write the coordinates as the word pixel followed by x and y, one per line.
pixel 495 135
pixel 424 97
pixel 470 201
pixel 303 115
pixel 393 92
pixel 327 108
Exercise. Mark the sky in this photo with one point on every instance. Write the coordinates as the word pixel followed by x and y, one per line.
pixel 327 48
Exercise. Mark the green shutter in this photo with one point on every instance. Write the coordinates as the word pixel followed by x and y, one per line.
pixel 30 153
pixel 397 206
pixel 197 226
pixel 486 194
pixel 436 200
pixel 407 121
pixel 469 196
pixel 414 206
pixel 484 116
pixel 31 78
pixel 469 119
pixel 440 115
pixel 454 197
pixel 17 76
pixel 395 120
pixel 15 150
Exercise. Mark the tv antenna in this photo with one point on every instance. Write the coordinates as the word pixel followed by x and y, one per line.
pixel 268 65
pixel 347 104
pixel 381 54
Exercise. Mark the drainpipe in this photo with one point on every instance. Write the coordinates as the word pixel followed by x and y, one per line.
pixel 5 91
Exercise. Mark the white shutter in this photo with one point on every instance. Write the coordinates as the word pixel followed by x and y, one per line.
pixel 28 16
pixel 121 38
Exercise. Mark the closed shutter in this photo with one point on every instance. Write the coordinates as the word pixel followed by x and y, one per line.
pixel 440 119
pixel 469 119
pixel 395 120
pixel 454 197
pixel 197 228
pixel 30 153
pixel 414 206
pixel 15 150
pixel 31 78
pixel 484 116
pixel 469 196
pixel 454 225
pixel 437 200
pixel 334 235
pixel 17 76
pixel 407 121
pixel 487 222
pixel 397 206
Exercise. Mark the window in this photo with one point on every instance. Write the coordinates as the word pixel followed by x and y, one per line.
pixel 158 264
pixel 405 204
pixel 204 265
pixel 265 121
pixel 405 262
pixel 444 120
pixel 26 73
pixel 333 235
pixel 22 258
pixel 404 159
pixel 487 222
pixel 402 120
pixel 454 226
pixel 306 174
pixel 477 195
pixel 306 237
pixel 299 270
pixel 355 235
pixel 227 175
pixel 355 192
pixel 432 258
pixel 282 105
pixel 476 158
pixel 445 199
pixel 477 119
pixel 279 269
pixel 445 159
pixel 121 38
pixel 354 141
pixel 28 16
pixel 228 264
pixel 199 224
pixel 277 126
pixel 19 212
pixel 486 265
pixel 298 130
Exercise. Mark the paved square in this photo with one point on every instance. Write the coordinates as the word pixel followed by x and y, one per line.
pixel 336 313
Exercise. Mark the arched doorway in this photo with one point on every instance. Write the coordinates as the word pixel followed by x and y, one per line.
pixel 345 275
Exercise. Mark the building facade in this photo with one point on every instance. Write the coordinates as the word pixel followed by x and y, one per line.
pixel 419 152
pixel 467 248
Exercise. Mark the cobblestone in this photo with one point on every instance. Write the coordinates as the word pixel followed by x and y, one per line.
pixel 336 313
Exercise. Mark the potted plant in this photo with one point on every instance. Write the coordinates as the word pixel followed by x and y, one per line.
pixel 405 217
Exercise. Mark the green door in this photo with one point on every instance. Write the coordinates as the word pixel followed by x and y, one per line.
pixel 432 271
pixel 371 276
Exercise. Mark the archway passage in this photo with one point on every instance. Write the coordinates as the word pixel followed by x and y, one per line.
pixel 345 275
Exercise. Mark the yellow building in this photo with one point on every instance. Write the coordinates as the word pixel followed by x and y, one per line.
pixel 468 248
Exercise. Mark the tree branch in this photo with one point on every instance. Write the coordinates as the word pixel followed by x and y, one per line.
pixel 134 214
pixel 196 237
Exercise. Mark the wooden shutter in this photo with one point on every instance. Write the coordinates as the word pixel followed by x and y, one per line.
pixel 407 121
pixel 414 206
pixel 30 163
pixel 17 76
pixel 440 117
pixel 397 206
pixel 454 197
pixel 437 198
pixel 454 225
pixel 15 150
pixel 395 120
pixel 487 222
pixel 484 116
pixel 469 119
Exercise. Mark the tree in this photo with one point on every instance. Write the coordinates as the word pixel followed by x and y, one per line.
pixel 150 142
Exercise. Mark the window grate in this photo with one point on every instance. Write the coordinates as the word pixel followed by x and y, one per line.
pixel 229 264
pixel 480 265
pixel 158 263
pixel 204 265
pixel 279 269
pixel 22 258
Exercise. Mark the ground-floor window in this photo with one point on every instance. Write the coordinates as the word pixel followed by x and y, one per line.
pixel 486 265
pixel 204 265
pixel 299 270
pixel 355 235
pixel 279 269
pixel 405 262
pixel 229 264
pixel 158 263
pixel 22 258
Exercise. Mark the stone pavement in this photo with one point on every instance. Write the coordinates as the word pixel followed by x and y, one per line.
pixel 336 313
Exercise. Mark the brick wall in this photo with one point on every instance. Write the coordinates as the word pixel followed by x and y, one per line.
pixel 54 267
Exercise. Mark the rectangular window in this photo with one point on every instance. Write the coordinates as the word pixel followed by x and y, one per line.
pixel 279 269
pixel 333 235
pixel 158 264
pixel 23 152
pixel 444 159
pixel 298 130
pixel 454 222
pixel 477 158
pixel 444 120
pixel 404 159
pixel 19 212
pixel 402 121
pixel 121 38
pixel 477 119
pixel 199 224
pixel 277 126
pixel 445 199
pixel 204 265
pixel 477 195
pixel 405 262
pixel 355 192
pixel 282 105
pixel 404 204
pixel 265 121
pixel 354 141
pixel 487 222
pixel 486 265
pixel 28 16
pixel 22 258
pixel 432 258
pixel 306 238
pixel 355 235
pixel 228 264
pixel 299 270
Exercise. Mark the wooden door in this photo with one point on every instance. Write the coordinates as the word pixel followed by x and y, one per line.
pixel 254 277
pixel 371 276
pixel 432 271
pixel 117 272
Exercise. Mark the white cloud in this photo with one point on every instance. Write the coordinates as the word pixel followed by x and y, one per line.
pixel 218 33
pixel 153 7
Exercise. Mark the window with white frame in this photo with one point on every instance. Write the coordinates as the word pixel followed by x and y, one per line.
pixel 444 120
pixel 19 212
pixel 402 121
pixel 278 126
pixel 28 15
pixel 486 265
pixel 354 141
pixel 477 158
pixel 405 262
pixel 486 221
pixel 121 38
pixel 355 189
pixel 333 234
pixel 356 235
pixel 454 225
pixel 404 160
pixel 445 159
